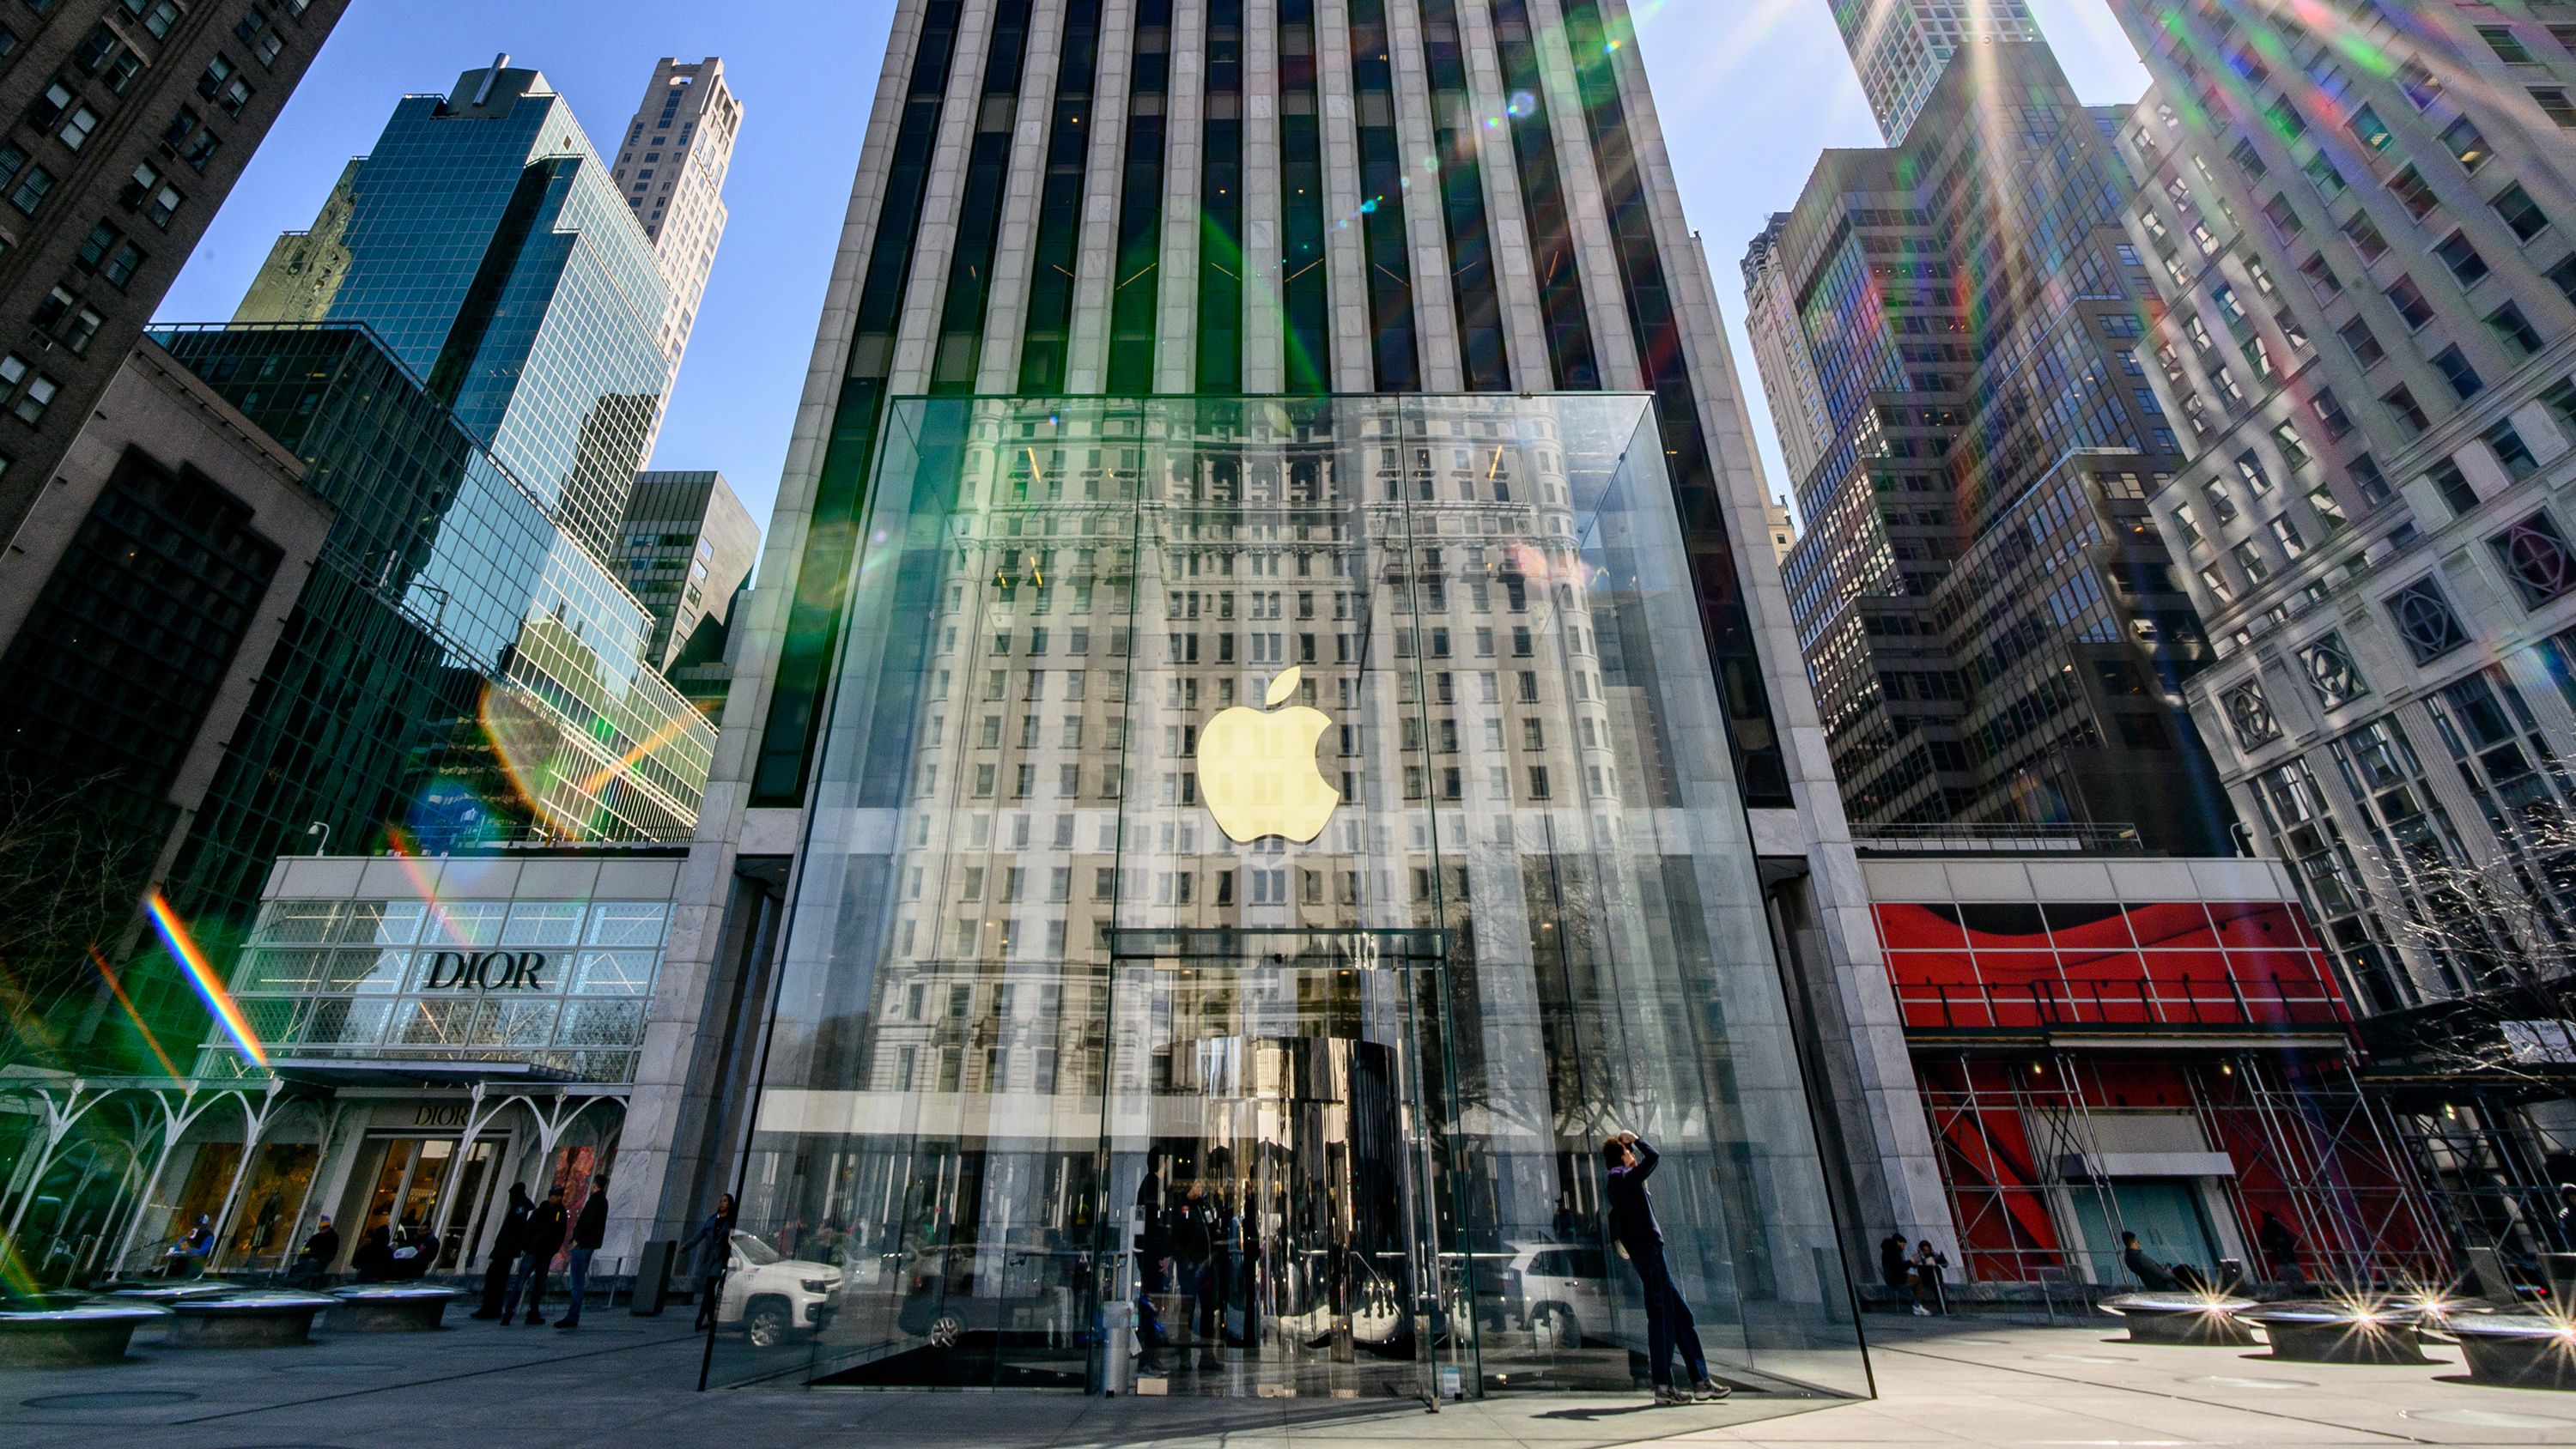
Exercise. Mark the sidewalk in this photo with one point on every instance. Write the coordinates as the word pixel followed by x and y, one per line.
pixel 628 1382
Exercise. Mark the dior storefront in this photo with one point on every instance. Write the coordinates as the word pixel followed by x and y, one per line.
pixel 1260 847
pixel 413 1034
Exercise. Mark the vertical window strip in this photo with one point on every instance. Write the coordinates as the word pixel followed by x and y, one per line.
pixel 960 350
pixel 787 739
pixel 1462 202
pixel 1760 764
pixel 1301 203
pixel 1220 339
pixel 1382 233
pixel 1044 345
pixel 1135 294
pixel 1560 286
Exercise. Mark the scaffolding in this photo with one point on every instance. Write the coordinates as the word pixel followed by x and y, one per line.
pixel 2020 1145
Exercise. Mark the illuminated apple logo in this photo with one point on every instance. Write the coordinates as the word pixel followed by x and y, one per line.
pixel 1257 769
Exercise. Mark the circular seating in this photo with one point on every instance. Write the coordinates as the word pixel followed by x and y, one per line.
pixel 2518 1350
pixel 177 1290
pixel 245 1320
pixel 63 1336
pixel 2348 1333
pixel 2181 1318
pixel 390 1308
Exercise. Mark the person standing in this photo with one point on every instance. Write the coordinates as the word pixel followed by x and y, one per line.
pixel 505 1250
pixel 545 1234
pixel 587 1234
pixel 1631 1160
pixel 714 1242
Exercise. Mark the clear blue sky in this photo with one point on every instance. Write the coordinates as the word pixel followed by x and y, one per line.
pixel 1750 91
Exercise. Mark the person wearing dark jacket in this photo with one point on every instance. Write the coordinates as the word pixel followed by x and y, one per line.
pixel 714 1242
pixel 320 1251
pixel 374 1260
pixel 2153 1276
pixel 2281 1245
pixel 1892 1267
pixel 537 1246
pixel 587 1234
pixel 1631 1160
pixel 505 1250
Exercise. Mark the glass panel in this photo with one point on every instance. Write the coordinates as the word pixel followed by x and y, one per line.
pixel 1349 669
pixel 294 922
pixel 464 923
pixel 628 923
pixel 543 923
pixel 616 972
pixel 382 923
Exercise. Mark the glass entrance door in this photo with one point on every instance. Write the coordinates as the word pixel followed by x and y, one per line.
pixel 409 1174
pixel 1263 1138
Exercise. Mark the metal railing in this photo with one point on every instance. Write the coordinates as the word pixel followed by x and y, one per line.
pixel 2184 1001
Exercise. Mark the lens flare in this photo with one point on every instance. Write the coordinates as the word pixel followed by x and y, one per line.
pixel 183 949
pixel 126 1004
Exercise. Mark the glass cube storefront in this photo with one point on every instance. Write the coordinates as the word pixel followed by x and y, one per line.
pixel 1260 848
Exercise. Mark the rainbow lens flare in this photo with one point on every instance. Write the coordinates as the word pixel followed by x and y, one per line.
pixel 183 949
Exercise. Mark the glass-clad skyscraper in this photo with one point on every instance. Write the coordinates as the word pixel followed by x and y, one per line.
pixel 488 245
pixel 1258 745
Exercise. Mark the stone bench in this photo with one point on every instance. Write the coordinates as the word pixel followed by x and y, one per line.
pixel 2181 1318
pixel 390 1308
pixel 163 1294
pixel 2517 1350
pixel 63 1337
pixel 2339 1333
pixel 245 1320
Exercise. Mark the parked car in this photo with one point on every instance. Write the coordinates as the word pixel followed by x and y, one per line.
pixel 949 1292
pixel 772 1298
pixel 1563 1291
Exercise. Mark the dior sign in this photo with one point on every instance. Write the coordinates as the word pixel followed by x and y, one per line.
pixel 485 971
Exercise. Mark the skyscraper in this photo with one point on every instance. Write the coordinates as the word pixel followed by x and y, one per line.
pixel 2360 223
pixel 671 169
pixel 1903 46
pixel 131 119
pixel 688 545
pixel 490 248
pixel 1949 329
pixel 1271 501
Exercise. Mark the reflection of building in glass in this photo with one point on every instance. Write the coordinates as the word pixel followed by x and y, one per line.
pixel 687 547
pixel 1031 980
pixel 1949 330
pixel 1902 47
pixel 458 666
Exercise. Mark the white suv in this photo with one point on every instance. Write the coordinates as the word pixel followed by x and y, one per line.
pixel 771 1298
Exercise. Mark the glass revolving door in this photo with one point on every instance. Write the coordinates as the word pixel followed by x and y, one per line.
pixel 1263 1128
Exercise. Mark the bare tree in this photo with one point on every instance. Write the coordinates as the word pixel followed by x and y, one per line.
pixel 2504 927
pixel 73 861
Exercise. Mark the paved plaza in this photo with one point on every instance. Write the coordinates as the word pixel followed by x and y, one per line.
pixel 629 1381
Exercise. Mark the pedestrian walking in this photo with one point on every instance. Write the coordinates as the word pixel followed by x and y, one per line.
pixel 587 1233
pixel 545 1234
pixel 714 1242
pixel 505 1250
pixel 1630 1160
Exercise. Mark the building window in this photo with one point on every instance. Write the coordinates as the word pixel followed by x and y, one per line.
pixel 2463 259
pixel 2507 46
pixel 2515 330
pixel 2553 100
pixel 76 127
pixel 2373 484
pixel 2520 212
pixel 2454 366
pixel 30 191
pixel 2408 412
pixel 2535 556
pixel 2363 343
pixel 2453 485
pixel 2331 672
pixel 2462 140
pixel 26 391
pixel 2370 130
pixel 2425 621
pixel 2511 453
pixel 2409 301
pixel 2414 192
pixel 2251 715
